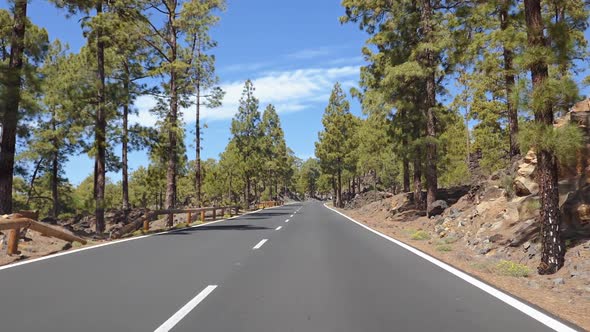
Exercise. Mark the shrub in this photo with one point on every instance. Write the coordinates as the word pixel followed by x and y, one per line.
pixel 506 182
pixel 450 240
pixel 482 266
pixel 180 225
pixel 420 235
pixel 138 232
pixel 444 247
pixel 512 269
pixel 65 216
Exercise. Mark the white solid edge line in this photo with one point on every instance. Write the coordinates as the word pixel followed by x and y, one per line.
pixel 526 309
pixel 260 244
pixel 24 262
pixel 278 228
pixel 180 314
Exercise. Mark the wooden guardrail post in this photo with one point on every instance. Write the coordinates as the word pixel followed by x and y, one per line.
pixel 171 218
pixel 189 217
pixel 214 213
pixel 222 212
pixel 13 237
pixel 202 215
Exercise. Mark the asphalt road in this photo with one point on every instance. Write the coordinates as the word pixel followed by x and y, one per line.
pixel 318 272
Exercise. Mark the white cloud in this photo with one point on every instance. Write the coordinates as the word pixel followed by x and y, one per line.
pixel 289 91
pixel 311 53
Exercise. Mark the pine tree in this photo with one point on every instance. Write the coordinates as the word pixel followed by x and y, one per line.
pixel 335 144
pixel 274 149
pixel 246 135
pixel 174 43
pixel 22 44
pixel 64 82
pixel 199 18
pixel 549 57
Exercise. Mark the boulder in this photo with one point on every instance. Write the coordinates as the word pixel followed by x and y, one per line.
pixel 437 207
pixel 401 202
pixel 524 183
pixel 526 231
pixel 525 186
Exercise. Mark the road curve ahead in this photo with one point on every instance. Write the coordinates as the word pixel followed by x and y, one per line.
pixel 299 267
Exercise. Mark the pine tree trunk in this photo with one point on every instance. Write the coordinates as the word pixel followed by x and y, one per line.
pixel 509 82
pixel 349 182
pixel 54 184
pixel 10 106
pixel 198 158
pixel 256 192
pixel 334 190
pixel 271 185
pixel 247 193
pixel 100 131
pixel 429 105
pixel 54 172
pixel 125 141
pixel 405 159
pixel 173 126
pixel 406 174
pixel 375 185
pixel 419 203
pixel 339 190
pixel 33 178
pixel 552 257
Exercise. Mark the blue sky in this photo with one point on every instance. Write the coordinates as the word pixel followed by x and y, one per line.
pixel 294 51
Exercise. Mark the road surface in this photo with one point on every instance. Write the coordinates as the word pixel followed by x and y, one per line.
pixel 299 267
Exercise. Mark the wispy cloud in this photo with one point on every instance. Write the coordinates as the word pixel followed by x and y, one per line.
pixel 242 67
pixel 312 53
pixel 289 91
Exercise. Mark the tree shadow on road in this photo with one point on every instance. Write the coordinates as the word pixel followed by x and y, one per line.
pixel 188 231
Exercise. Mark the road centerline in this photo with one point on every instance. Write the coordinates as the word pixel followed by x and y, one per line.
pixel 180 314
pixel 278 228
pixel 260 244
pixel 287 220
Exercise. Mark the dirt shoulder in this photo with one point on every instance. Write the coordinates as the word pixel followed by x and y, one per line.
pixel 563 295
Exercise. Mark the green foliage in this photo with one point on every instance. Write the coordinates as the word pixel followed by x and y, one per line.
pixel 308 178
pixel 507 183
pixel 453 168
pixel 512 269
pixel 336 143
pixel 420 235
pixel 444 248
pixel 564 141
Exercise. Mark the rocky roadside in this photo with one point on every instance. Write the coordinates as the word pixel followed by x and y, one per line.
pixel 490 257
